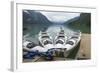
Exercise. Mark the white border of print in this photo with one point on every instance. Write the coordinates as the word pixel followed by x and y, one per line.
pixel 16 60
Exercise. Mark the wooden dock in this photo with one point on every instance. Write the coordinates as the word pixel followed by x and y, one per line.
pixel 85 47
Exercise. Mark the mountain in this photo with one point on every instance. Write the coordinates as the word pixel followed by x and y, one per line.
pixel 34 21
pixel 85 18
pixel 71 20
pixel 33 17
pixel 82 23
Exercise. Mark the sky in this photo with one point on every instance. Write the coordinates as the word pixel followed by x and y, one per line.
pixel 59 17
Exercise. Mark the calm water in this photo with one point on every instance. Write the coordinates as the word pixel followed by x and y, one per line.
pixel 32 33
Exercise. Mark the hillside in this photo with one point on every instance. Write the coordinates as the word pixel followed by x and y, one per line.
pixel 82 23
pixel 34 21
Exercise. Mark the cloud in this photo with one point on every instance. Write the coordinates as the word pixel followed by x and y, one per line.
pixel 59 17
